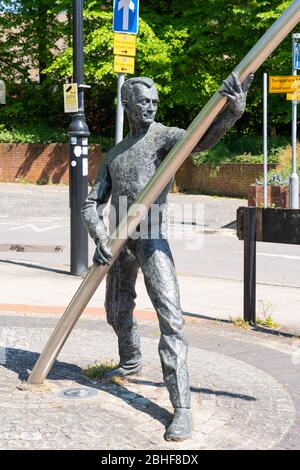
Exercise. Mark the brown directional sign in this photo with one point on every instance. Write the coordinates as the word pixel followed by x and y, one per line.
pixel 123 64
pixel 284 84
pixel 125 44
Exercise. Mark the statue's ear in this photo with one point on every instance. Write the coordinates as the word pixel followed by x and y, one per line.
pixel 125 105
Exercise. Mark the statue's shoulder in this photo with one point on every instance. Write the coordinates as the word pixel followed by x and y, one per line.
pixel 169 134
pixel 159 128
pixel 117 149
pixel 169 131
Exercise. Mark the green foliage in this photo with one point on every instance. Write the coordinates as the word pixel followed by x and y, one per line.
pixel 245 149
pixel 279 177
pixel 31 135
pixel 268 322
pixel 28 35
pixel 188 48
pixel 265 314
pixel 44 134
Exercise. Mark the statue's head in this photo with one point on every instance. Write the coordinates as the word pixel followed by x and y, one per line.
pixel 140 98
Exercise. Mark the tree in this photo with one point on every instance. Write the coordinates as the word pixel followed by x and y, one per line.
pixel 188 48
pixel 29 35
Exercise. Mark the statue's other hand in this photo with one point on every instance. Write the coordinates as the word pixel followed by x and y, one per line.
pixel 102 254
pixel 236 92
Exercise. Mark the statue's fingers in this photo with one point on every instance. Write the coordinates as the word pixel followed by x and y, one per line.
pixel 236 82
pixel 101 257
pixel 246 84
pixel 106 251
pixel 96 261
pixel 228 95
pixel 226 87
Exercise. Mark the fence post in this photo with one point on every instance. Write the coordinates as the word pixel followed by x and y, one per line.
pixel 250 265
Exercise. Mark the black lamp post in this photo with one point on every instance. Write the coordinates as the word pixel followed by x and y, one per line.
pixel 78 152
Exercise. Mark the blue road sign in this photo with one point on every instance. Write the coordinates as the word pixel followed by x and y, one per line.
pixel 297 56
pixel 126 16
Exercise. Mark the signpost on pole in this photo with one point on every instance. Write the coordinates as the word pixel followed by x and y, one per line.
pixel 125 27
pixel 294 179
pixel 265 125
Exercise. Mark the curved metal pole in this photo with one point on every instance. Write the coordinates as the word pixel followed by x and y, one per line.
pixel 258 54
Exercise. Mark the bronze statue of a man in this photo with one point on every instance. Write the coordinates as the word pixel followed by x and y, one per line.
pixel 123 174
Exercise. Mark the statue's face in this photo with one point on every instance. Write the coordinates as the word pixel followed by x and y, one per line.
pixel 143 105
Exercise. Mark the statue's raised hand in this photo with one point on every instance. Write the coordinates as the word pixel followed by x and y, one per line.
pixel 236 93
pixel 102 254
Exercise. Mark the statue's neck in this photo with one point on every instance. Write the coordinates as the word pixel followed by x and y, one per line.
pixel 137 130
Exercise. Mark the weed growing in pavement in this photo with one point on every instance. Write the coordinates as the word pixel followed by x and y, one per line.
pixel 240 323
pixel 99 369
pixel 264 317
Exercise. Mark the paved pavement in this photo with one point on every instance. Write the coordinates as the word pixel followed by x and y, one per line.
pixel 245 390
pixel 245 383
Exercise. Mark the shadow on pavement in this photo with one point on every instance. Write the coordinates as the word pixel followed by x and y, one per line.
pixel 258 328
pixel 205 391
pixel 34 266
pixel 22 362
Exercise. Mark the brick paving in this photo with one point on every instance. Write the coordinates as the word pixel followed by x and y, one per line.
pixel 243 383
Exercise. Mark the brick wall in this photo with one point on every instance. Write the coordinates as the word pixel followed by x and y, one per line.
pixel 230 179
pixel 49 163
pixel 43 163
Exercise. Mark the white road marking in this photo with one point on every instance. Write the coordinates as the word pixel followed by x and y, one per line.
pixel 274 255
pixel 34 228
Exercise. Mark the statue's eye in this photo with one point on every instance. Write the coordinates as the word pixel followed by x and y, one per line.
pixel 143 102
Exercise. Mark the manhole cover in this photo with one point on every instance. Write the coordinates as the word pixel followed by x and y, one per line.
pixel 77 393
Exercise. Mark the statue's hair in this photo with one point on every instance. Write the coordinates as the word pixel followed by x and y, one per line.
pixel 127 87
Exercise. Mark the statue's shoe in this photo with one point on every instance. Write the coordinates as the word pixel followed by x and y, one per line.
pixel 123 372
pixel 180 428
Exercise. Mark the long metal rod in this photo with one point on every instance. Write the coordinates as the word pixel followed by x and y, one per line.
pixel 265 125
pixel 265 46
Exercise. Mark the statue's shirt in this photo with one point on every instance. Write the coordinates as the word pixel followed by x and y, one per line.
pixel 133 162
pixel 124 173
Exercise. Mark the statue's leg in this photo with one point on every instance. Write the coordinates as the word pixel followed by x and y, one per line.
pixel 119 305
pixel 156 261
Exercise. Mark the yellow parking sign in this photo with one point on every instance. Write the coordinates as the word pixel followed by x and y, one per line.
pixel 125 44
pixel 123 64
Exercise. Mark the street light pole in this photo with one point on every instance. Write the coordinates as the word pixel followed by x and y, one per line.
pixel 294 179
pixel 78 153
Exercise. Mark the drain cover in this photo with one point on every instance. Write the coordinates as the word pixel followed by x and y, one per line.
pixel 77 393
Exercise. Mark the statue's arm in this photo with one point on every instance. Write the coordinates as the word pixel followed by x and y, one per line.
pixel 92 211
pixel 216 131
pixel 236 94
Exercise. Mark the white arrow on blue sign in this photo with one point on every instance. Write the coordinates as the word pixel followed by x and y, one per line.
pixel 297 56
pixel 126 16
